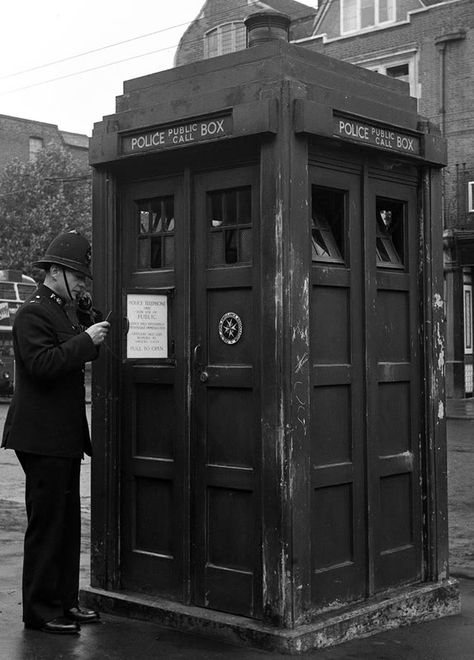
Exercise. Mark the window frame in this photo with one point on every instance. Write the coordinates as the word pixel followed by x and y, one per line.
pixel 470 196
pixel 149 238
pixel 385 61
pixel 35 146
pixel 336 250
pixel 228 231
pixel 386 239
pixel 219 30
pixel 467 317
pixel 377 23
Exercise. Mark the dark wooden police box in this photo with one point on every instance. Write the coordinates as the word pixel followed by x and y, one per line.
pixel 268 419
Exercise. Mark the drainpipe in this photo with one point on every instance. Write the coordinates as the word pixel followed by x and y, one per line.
pixel 441 44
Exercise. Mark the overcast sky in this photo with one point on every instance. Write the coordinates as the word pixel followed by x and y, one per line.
pixel 36 33
pixel 63 61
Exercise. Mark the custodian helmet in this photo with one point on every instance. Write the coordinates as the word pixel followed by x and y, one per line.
pixel 71 250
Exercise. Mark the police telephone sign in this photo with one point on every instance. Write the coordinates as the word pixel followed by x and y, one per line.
pixel 177 135
pixel 147 336
pixel 377 136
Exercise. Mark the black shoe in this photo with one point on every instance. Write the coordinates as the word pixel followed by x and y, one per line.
pixel 59 626
pixel 80 615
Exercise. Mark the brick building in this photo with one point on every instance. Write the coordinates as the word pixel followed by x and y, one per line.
pixel 429 45
pixel 219 27
pixel 23 138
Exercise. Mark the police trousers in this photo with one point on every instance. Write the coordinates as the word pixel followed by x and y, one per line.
pixel 53 536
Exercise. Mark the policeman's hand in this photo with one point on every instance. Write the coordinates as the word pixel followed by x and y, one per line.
pixel 98 332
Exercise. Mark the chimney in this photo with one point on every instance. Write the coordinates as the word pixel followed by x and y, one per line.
pixel 267 26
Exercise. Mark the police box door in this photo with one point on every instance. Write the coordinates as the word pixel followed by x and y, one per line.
pixel 154 448
pixel 366 356
pixel 225 405
pixel 190 415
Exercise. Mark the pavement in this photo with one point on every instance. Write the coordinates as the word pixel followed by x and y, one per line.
pixel 460 408
pixel 116 638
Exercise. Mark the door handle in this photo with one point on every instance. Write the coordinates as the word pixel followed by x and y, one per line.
pixel 196 350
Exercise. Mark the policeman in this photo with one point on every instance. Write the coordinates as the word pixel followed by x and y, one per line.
pixel 47 426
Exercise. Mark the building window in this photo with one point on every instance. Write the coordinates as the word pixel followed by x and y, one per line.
pixel 362 14
pixel 36 144
pixel 468 319
pixel 402 66
pixel 226 38
pixel 470 197
pixel 468 344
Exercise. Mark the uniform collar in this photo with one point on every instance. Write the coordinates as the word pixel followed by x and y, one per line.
pixel 51 295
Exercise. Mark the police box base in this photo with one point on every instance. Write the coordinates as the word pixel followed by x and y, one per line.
pixel 401 607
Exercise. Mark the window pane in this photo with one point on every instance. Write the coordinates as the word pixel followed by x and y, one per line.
pixel 156 223
pixel 36 144
pixel 216 209
pixel 144 253
pixel 230 207
pixel 386 12
pixel 468 319
pixel 144 222
pixel 390 233
pixel 168 245
pixel 240 37
pixel 328 221
pixel 156 260
pixel 246 245
pixel 7 291
pixel 229 211
pixel 25 290
pixel 349 15
pixel 169 214
pixel 226 39
pixel 367 13
pixel 231 255
pixel 401 72
pixel 211 44
pixel 216 248
pixel 244 215
pixel 156 217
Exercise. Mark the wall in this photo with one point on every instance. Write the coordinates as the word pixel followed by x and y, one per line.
pixel 15 136
pixel 216 12
pixel 420 30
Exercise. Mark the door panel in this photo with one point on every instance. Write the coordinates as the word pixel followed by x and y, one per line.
pixel 154 445
pixel 338 523
pixel 198 526
pixel 225 398
pixel 395 389
pixel 366 503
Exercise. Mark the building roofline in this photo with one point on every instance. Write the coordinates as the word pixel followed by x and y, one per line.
pixel 351 35
pixel 29 121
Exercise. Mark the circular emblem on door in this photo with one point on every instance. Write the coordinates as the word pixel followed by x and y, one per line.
pixel 230 328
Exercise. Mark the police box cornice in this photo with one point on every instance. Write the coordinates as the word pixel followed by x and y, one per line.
pixel 309 117
pixel 168 120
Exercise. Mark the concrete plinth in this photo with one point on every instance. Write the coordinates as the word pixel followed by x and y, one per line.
pixel 401 607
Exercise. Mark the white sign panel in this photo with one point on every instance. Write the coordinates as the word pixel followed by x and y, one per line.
pixel 148 326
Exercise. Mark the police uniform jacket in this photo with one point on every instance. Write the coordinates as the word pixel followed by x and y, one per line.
pixel 47 414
